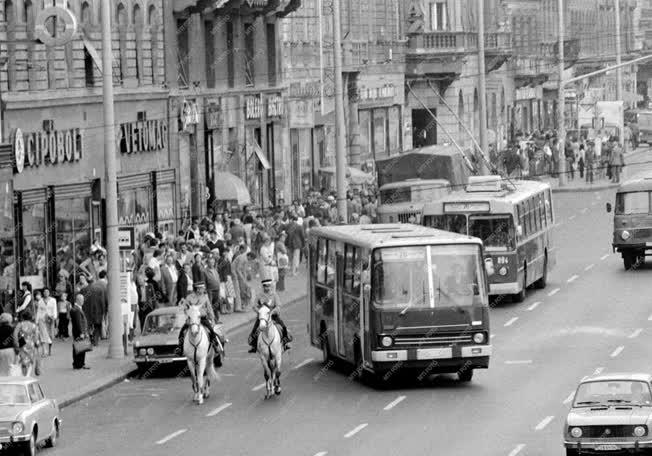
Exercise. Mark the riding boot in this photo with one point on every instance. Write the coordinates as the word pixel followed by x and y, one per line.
pixel 253 338
pixel 182 335
pixel 286 339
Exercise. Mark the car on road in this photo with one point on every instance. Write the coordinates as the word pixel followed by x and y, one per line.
pixel 610 413
pixel 27 417
pixel 157 344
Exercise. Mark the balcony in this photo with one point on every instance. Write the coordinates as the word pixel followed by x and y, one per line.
pixel 497 49
pixel 530 69
pixel 357 54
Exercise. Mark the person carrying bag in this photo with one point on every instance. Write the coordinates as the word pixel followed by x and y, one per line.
pixel 81 341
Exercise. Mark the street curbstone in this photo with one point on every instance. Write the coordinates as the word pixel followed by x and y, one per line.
pixel 103 386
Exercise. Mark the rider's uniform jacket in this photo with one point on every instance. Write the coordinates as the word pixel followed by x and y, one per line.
pixel 204 304
pixel 271 300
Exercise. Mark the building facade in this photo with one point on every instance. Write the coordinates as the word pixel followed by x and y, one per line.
pixel 52 115
pixel 228 102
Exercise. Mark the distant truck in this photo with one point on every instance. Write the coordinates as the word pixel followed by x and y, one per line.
pixel 408 181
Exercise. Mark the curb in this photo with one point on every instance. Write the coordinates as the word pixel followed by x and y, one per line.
pixel 593 188
pixel 98 389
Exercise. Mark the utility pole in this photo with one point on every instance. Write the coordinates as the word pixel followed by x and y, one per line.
pixel 340 129
pixel 619 71
pixel 482 84
pixel 561 101
pixel 116 349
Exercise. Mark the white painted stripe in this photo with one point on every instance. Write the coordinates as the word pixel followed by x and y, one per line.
pixel 604 257
pixel 354 431
pixel 517 449
pixel 617 351
pixel 534 306
pixel 571 217
pixel 519 361
pixel 544 422
pixel 573 278
pixel 321 453
pixel 569 398
pixel 598 371
pixel 589 267
pixel 636 333
pixel 394 403
pixel 219 409
pixel 553 292
pixel 258 387
pixel 511 321
pixel 171 436
pixel 303 363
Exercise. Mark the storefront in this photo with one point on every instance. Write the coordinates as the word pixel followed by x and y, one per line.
pixel 8 283
pixel 306 141
pixel 380 106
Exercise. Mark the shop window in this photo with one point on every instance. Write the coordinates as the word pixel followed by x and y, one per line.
pixel 165 197
pixel 365 135
pixel 394 132
pixel 134 210
pixel 34 248
pixel 7 256
pixel 74 238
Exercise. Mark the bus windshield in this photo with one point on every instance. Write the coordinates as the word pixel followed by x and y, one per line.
pixel 455 223
pixel 396 195
pixel 496 232
pixel 402 277
pixel 633 203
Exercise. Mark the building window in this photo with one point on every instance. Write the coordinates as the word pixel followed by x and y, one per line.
pixel 460 116
pixel 121 61
pixel 394 130
pixel 271 53
pixel 154 28
pixel 184 52
pixel 210 54
pixel 230 49
pixel 138 26
pixel 438 16
pixel 364 117
pixel 88 69
pixel 249 54
pixel 86 13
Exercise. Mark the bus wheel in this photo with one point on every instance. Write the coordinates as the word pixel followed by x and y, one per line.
pixel 628 260
pixel 325 349
pixel 520 296
pixel 465 375
pixel 543 281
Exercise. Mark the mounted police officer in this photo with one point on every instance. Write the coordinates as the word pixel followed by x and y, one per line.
pixel 270 299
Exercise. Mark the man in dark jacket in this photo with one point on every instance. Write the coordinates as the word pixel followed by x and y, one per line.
pixel 97 305
pixel 79 331
pixel 295 243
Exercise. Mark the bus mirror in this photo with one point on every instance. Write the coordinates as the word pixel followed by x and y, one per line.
pixel 489 266
pixel 608 207
pixel 519 230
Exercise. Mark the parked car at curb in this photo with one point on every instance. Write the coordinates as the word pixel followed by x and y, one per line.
pixel 27 417
pixel 610 413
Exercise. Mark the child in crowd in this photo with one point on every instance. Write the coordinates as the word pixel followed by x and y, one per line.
pixel 63 307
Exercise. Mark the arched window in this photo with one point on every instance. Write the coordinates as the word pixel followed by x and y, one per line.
pixel 86 14
pixel 502 102
pixel 152 16
pixel 10 13
pixel 460 115
pixel 27 12
pixel 137 19
pixel 476 112
pixel 153 21
pixel 137 16
pixel 121 17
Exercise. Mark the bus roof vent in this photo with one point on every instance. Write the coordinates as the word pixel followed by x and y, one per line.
pixel 410 235
pixel 485 184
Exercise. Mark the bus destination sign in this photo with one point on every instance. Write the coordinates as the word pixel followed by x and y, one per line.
pixel 467 207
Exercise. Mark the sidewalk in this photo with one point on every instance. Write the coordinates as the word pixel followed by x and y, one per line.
pixel 68 386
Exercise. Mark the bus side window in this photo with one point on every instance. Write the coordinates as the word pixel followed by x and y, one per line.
pixel 535 213
pixel 349 267
pixel 321 261
pixel 549 213
pixel 542 210
pixel 519 220
pixel 330 264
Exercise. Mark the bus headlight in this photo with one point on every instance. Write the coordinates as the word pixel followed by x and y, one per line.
pixel 150 351
pixel 478 338
pixel 142 352
pixel 503 271
pixel 625 235
pixel 576 432
pixel 639 431
pixel 386 341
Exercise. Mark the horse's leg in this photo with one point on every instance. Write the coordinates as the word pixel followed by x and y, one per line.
pixel 277 379
pixel 201 368
pixel 267 373
pixel 191 368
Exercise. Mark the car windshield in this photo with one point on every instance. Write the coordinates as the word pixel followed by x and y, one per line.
pixel 164 323
pixel 497 233
pixel 613 392
pixel 401 276
pixel 633 203
pixel 13 395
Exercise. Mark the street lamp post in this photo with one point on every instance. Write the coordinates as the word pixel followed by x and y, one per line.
pixel 561 101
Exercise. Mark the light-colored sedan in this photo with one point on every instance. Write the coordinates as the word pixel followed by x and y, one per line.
pixel 160 338
pixel 27 416
pixel 610 413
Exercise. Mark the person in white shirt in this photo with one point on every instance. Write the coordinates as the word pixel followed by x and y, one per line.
pixel 51 311
pixel 155 264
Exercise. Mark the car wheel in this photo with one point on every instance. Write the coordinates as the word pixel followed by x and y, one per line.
pixel 465 375
pixel 628 260
pixel 520 296
pixel 572 452
pixel 325 349
pixel 142 368
pixel 51 442
pixel 543 281
pixel 29 447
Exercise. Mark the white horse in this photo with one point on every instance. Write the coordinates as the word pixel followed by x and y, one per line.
pixel 198 351
pixel 270 350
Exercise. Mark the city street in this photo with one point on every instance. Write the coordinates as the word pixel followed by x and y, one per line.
pixel 592 317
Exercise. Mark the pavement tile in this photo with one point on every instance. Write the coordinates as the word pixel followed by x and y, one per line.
pixel 68 386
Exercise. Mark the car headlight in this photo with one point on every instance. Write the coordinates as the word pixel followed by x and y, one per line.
pixel 502 271
pixel 625 235
pixel 639 431
pixel 142 352
pixel 478 338
pixel 386 341
pixel 150 351
pixel 17 428
pixel 576 432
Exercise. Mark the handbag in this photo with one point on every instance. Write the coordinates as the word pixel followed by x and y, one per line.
pixel 82 345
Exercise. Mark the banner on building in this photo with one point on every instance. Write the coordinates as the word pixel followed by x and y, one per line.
pixel 302 113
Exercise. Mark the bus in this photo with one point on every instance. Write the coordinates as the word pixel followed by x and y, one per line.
pixel 403 201
pixel 632 234
pixel 514 219
pixel 389 296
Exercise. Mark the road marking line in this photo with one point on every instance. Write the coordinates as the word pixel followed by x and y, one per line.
pixel 258 387
pixel 321 453
pixel 354 431
pixel 636 333
pixel 569 398
pixel 589 267
pixel 519 361
pixel 219 409
pixel 573 278
pixel 553 292
pixel 604 257
pixel 571 217
pixel 544 422
pixel 171 436
pixel 517 449
pixel 303 363
pixel 394 403
pixel 511 322
pixel 617 351
pixel 598 371
pixel 534 306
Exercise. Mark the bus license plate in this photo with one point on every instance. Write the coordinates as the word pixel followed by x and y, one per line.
pixel 607 448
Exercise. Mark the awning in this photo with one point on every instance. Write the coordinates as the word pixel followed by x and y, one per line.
pixel 230 187
pixel 261 156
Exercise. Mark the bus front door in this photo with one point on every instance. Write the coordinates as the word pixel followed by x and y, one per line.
pixel 339 306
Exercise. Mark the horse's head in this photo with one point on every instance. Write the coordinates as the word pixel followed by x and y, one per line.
pixel 264 316
pixel 194 318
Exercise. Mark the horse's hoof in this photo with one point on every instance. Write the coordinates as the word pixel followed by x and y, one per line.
pixel 278 392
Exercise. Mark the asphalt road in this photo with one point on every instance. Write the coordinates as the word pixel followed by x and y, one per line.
pixel 593 316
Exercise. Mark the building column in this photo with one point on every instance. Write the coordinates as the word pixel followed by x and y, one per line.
pixel 220 64
pixel 239 53
pixel 261 77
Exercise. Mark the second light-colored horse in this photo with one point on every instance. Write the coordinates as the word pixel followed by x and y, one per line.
pixel 199 354
pixel 270 351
